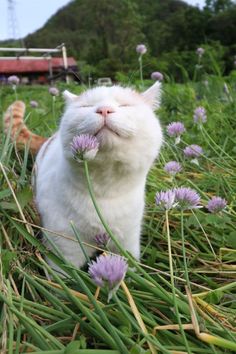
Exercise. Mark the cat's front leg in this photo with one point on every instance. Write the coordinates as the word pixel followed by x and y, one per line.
pixel 134 249
pixel 132 243
pixel 70 252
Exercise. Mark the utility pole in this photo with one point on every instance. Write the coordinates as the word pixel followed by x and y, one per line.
pixel 12 25
pixel 12 21
pixel 65 61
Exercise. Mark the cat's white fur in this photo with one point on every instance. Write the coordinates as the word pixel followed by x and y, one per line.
pixel 130 140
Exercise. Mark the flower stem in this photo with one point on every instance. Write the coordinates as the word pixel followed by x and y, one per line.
pixel 184 251
pixel 140 59
pixel 209 138
pixel 205 234
pixel 53 108
pixel 173 283
pixel 15 92
pixel 106 227
pixel 77 235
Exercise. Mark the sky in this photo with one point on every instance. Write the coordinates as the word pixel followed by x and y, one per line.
pixel 31 15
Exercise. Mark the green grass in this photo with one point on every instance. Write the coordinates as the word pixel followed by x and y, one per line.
pixel 66 315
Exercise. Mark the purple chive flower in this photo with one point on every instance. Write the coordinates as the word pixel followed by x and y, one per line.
pixel 165 200
pixel 156 75
pixel 186 198
pixel 200 51
pixel 216 204
pixel 108 271
pixel 101 239
pixel 200 115
pixel 141 49
pixel 13 80
pixel 193 151
pixel 172 167
pixel 84 147
pixel 175 129
pixel 34 104
pixel 53 91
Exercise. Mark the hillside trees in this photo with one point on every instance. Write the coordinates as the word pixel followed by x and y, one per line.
pixel 216 6
pixel 102 35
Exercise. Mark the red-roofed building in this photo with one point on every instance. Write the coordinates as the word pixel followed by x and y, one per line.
pixel 37 70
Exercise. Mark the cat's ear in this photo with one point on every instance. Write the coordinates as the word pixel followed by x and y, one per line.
pixel 152 95
pixel 68 96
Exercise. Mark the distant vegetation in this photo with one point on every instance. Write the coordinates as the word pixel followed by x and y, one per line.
pixel 102 35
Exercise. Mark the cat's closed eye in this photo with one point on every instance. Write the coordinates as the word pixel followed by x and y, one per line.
pixel 85 106
pixel 125 105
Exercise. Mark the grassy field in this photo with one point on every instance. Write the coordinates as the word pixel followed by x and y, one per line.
pixel 182 296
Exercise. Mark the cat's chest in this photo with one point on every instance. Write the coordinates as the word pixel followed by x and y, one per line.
pixel 62 196
pixel 120 215
pixel 79 205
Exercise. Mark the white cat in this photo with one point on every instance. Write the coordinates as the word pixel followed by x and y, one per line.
pixel 130 138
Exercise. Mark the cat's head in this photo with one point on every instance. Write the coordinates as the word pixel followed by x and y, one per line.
pixel 122 119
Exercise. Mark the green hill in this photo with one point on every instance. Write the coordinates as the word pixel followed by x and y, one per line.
pixel 103 34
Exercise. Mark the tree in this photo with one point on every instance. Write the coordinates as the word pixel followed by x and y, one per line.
pixel 216 6
pixel 102 33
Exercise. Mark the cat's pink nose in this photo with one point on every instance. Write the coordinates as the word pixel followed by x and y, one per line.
pixel 105 110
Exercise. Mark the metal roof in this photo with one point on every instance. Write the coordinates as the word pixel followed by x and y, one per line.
pixel 33 65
